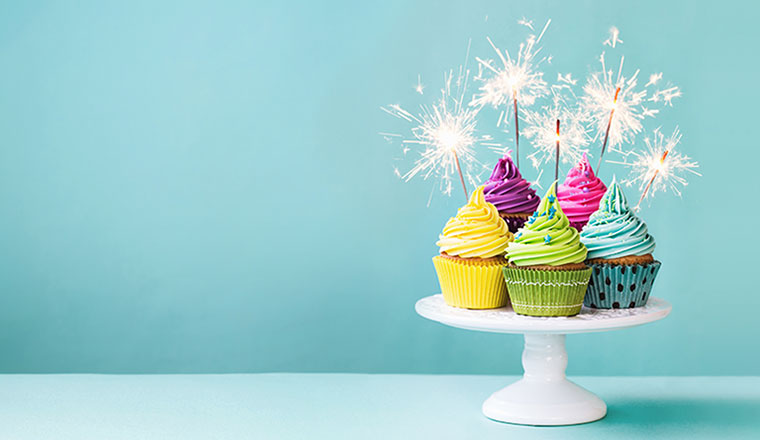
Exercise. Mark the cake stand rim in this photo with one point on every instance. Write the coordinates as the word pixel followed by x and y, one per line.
pixel 505 320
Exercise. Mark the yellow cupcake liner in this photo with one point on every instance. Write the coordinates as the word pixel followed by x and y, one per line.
pixel 472 283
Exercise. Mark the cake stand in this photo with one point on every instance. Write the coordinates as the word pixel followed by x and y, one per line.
pixel 543 396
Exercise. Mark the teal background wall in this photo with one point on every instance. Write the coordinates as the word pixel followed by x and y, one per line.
pixel 200 186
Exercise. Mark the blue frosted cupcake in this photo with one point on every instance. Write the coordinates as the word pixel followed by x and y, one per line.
pixel 620 254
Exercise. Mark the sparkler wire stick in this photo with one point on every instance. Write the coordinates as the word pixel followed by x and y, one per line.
pixel 607 133
pixel 654 176
pixel 517 131
pixel 556 162
pixel 461 177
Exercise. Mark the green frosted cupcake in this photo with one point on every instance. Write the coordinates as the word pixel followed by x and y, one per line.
pixel 546 275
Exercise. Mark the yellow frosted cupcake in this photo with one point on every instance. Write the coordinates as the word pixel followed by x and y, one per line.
pixel 472 256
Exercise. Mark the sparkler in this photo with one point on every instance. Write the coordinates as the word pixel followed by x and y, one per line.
pixel 446 132
pixel 607 132
pixel 516 80
pixel 659 167
pixel 556 161
pixel 541 128
pixel 614 105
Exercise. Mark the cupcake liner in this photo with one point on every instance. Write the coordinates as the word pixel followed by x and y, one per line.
pixel 620 286
pixel 471 283
pixel 536 292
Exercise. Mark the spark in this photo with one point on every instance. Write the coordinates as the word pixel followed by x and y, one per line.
pixel 419 87
pixel 445 136
pixel 541 128
pixel 525 22
pixel 537 182
pixel 614 37
pixel 653 79
pixel 517 78
pixel 658 168
pixel 599 101
pixel 566 79
pixel 666 95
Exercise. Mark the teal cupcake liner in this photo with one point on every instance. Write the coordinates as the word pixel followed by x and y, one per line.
pixel 620 286
pixel 536 292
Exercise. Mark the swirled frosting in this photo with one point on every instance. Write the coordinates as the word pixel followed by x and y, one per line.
pixel 547 237
pixel 508 191
pixel 613 231
pixel 477 231
pixel 580 193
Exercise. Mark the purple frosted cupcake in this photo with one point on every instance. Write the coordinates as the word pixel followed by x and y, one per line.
pixel 511 194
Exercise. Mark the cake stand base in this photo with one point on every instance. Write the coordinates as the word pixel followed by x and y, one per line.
pixel 544 396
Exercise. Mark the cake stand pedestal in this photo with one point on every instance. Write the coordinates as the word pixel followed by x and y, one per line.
pixel 544 396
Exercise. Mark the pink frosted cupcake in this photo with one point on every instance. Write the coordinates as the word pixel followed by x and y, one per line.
pixel 580 194
pixel 510 194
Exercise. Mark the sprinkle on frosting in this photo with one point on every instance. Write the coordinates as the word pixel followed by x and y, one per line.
pixel 580 193
pixel 477 231
pixel 613 231
pixel 547 238
pixel 508 191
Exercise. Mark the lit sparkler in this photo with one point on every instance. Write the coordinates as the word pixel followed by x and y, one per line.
pixel 447 135
pixel 541 128
pixel 614 105
pixel 516 80
pixel 659 167
pixel 556 160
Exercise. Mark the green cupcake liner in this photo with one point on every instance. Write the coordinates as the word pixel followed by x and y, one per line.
pixel 535 292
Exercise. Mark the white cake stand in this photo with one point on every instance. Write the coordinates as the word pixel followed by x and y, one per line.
pixel 543 396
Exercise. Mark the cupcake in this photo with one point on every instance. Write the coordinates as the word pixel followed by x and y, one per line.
pixel 511 194
pixel 546 275
pixel 620 254
pixel 472 255
pixel 580 193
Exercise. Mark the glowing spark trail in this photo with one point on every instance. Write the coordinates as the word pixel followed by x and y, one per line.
pixel 666 95
pixel 542 130
pixel 614 37
pixel 525 22
pixel 516 80
pixel 446 133
pixel 567 79
pixel 659 167
pixel 653 79
pixel 419 87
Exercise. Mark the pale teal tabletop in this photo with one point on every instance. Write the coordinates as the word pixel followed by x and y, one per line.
pixel 300 406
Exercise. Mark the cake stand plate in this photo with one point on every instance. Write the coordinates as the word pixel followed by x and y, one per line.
pixel 544 396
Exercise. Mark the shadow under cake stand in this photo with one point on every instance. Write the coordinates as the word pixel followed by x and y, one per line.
pixel 543 396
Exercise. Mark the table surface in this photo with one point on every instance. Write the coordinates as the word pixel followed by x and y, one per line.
pixel 505 320
pixel 351 406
